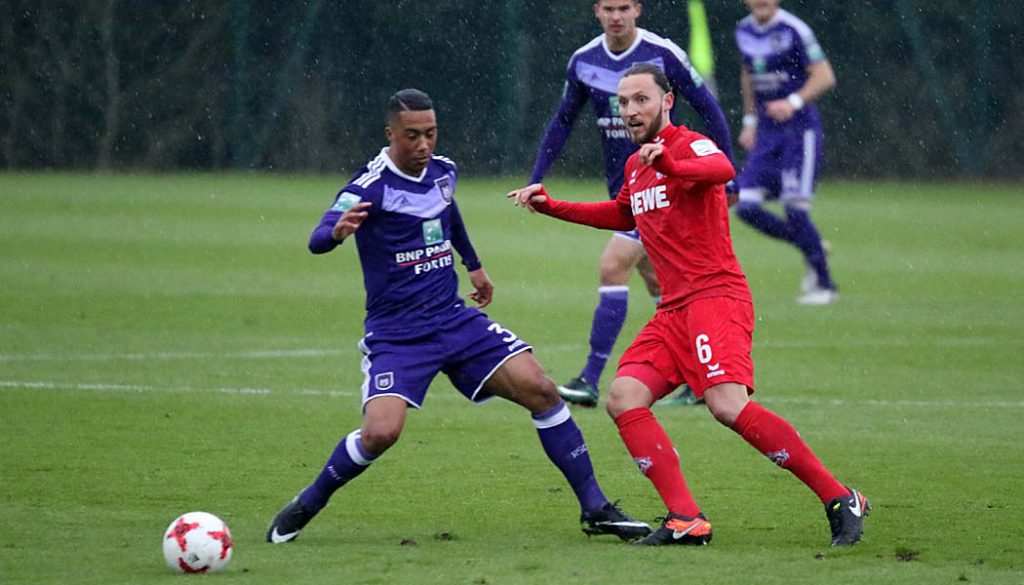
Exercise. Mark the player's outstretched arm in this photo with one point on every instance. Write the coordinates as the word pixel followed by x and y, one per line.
pixel 560 125
pixel 608 215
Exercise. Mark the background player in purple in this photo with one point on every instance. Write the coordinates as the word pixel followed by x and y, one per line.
pixel 593 74
pixel 402 210
pixel 784 71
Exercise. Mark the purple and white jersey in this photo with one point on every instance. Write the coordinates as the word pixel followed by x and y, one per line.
pixel 406 243
pixel 776 55
pixel 594 72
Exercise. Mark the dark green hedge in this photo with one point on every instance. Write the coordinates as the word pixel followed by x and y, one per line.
pixel 926 89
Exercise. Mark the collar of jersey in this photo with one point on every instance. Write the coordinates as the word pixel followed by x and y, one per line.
pixel 394 168
pixel 636 43
pixel 666 134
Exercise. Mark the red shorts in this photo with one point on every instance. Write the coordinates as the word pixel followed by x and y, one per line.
pixel 705 343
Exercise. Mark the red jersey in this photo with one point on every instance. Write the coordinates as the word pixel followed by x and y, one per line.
pixel 683 217
pixel 680 208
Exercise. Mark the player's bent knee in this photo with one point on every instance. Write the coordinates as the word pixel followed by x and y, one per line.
pixel 379 438
pixel 726 401
pixel 622 398
pixel 614 271
pixel 541 395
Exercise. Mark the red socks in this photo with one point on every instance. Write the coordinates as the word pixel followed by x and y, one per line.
pixel 778 440
pixel 657 458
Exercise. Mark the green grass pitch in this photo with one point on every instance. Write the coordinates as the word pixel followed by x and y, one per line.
pixel 167 344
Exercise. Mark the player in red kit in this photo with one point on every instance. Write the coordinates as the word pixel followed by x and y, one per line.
pixel 702 332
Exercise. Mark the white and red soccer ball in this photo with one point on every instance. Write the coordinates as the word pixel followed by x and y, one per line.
pixel 197 542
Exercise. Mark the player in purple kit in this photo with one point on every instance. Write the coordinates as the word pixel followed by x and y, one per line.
pixel 593 74
pixel 402 210
pixel 784 71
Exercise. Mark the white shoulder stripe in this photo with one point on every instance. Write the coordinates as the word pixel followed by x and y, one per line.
pixel 444 159
pixel 373 170
pixel 667 44
pixel 800 26
pixel 596 41
pixel 366 178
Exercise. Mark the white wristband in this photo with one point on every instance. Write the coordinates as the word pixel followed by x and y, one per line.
pixel 796 101
pixel 749 120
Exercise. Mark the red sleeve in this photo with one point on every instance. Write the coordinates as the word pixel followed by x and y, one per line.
pixel 707 168
pixel 607 215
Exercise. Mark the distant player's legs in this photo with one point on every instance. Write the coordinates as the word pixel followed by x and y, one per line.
pixel 646 271
pixel 685 395
pixel 808 240
pixel 522 380
pixel 799 171
pixel 617 262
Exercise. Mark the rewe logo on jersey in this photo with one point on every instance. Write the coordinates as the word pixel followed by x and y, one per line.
pixel 649 200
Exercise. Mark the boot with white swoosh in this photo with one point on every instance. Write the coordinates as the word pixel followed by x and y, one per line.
pixel 287 524
pixel 846 517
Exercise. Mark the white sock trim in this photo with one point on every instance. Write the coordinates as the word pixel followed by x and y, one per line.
pixel 559 417
pixel 353 450
pixel 612 289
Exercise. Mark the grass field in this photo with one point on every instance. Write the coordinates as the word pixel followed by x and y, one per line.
pixel 168 344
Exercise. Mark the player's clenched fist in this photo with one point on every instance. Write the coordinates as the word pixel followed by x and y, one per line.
pixel 350 221
pixel 528 196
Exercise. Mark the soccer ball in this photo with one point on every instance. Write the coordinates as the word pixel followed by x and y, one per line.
pixel 197 542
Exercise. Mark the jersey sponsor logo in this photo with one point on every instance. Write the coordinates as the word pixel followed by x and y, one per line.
pixel 704 147
pixel 384 381
pixel 426 259
pixel 433 233
pixel 769 81
pixel 345 201
pixel 444 184
pixel 612 127
pixel 649 199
